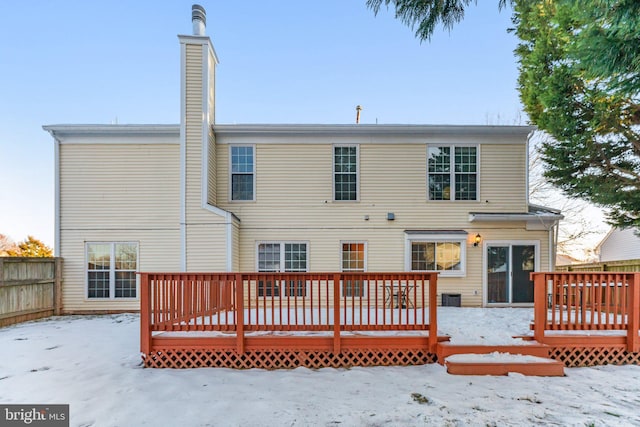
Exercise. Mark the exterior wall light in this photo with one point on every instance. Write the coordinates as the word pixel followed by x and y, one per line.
pixel 477 240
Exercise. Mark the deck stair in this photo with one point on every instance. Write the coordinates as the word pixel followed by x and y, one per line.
pixel 469 359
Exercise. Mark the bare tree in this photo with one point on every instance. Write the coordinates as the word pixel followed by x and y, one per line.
pixel 579 227
pixel 6 245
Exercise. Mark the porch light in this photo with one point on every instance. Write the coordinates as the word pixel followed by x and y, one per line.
pixel 477 240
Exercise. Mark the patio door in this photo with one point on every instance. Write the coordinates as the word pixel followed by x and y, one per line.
pixel 507 278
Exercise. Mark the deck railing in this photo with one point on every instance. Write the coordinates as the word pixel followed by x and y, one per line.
pixel 280 302
pixel 587 302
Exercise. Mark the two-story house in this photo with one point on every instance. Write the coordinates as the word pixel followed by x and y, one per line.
pixel 202 196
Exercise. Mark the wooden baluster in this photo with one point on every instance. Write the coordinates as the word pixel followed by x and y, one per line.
pixel 336 313
pixel 633 314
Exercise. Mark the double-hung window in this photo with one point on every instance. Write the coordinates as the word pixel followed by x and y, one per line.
pixel 242 172
pixel 353 259
pixel 441 252
pixel 452 172
pixel 345 173
pixel 111 270
pixel 282 257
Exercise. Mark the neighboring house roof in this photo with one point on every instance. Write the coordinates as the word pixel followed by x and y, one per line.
pixel 564 259
pixel 619 244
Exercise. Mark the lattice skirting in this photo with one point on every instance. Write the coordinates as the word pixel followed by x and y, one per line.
pixel 592 356
pixel 278 359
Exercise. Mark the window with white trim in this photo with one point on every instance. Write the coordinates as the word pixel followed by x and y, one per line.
pixel 242 172
pixel 345 173
pixel 353 259
pixel 111 270
pixel 444 253
pixel 452 172
pixel 282 257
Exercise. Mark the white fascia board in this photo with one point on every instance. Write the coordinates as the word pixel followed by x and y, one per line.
pixel 371 130
pixel 534 222
pixel 496 217
pixel 68 134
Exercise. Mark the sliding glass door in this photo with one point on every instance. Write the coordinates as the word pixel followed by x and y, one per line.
pixel 507 274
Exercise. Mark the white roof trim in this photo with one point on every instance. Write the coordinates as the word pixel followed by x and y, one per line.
pixel 112 130
pixel 358 129
pixel 501 217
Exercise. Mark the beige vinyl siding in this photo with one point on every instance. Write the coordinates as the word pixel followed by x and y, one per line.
pixel 212 181
pixel 193 138
pixel 158 251
pixel 294 188
pixel 205 231
pixel 211 160
pixel 503 178
pixel 117 192
pixel 207 247
pixel 119 186
pixel 294 202
pixel 386 252
pixel 236 246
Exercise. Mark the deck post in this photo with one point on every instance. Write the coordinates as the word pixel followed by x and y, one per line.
pixel 239 313
pixel 540 305
pixel 145 314
pixel 336 313
pixel 433 311
pixel 633 313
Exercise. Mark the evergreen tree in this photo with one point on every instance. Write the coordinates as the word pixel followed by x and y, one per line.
pixel 579 82
pixel 585 98
pixel 427 14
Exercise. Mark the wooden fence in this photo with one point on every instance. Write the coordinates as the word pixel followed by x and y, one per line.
pixel 30 288
pixel 630 265
pixel 288 319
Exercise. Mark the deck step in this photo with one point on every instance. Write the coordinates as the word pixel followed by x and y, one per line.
pixel 530 348
pixel 503 364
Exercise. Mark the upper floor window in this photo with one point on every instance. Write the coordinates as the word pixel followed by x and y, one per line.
pixel 282 257
pixel 111 270
pixel 345 173
pixel 242 173
pixel 453 173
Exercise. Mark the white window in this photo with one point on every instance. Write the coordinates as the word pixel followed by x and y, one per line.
pixel 282 257
pixel 452 172
pixel 353 259
pixel 111 270
pixel 345 173
pixel 441 252
pixel 242 168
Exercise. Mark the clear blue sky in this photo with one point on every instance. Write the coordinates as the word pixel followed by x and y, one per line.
pixel 281 61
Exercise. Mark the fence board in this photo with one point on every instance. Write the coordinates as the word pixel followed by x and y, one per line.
pixel 30 288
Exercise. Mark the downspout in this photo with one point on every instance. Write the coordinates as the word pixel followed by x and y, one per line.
pixel 57 244
pixel 56 183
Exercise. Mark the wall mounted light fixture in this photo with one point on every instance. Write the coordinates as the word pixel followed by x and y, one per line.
pixel 477 240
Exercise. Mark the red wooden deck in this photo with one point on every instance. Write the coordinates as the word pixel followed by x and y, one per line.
pixel 274 320
pixel 286 320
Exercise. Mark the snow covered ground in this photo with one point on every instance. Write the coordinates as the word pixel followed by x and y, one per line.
pixel 93 364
